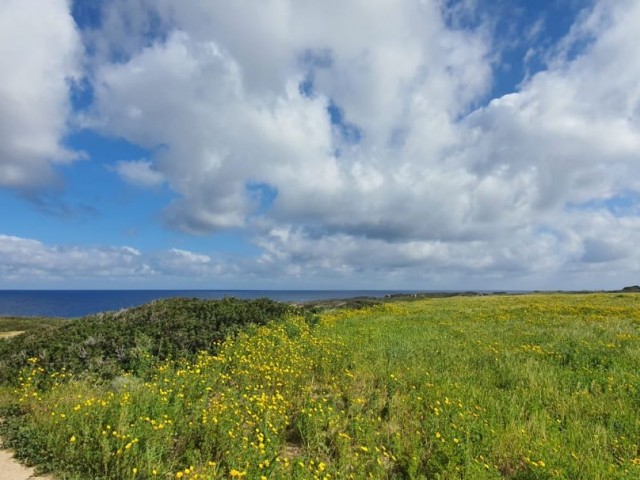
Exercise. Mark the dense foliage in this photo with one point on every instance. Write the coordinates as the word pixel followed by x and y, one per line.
pixel 107 343
pixel 22 324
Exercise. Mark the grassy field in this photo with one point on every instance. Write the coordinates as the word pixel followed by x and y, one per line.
pixel 518 387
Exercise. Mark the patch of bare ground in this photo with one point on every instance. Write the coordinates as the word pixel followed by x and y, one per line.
pixel 9 334
pixel 10 469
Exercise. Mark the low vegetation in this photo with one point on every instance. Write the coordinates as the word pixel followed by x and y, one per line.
pixel 107 343
pixel 23 324
pixel 517 387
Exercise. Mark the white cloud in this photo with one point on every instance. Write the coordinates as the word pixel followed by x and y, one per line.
pixel 587 250
pixel 40 54
pixel 139 172
pixel 181 262
pixel 23 258
pixel 195 258
pixel 575 128
pixel 230 113
pixel 415 179
pixel 413 175
pixel 29 262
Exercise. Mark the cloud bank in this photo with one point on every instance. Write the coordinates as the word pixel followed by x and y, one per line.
pixel 28 262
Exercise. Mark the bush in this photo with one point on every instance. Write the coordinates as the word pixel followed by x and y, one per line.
pixel 105 344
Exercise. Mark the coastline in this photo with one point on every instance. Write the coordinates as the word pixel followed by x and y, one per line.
pixel 356 301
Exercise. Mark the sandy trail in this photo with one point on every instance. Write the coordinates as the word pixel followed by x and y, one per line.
pixel 9 334
pixel 10 469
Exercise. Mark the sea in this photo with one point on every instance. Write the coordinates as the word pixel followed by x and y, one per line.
pixel 77 303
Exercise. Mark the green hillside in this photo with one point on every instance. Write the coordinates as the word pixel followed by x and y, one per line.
pixel 107 343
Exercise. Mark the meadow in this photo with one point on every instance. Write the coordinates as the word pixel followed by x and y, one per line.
pixel 489 387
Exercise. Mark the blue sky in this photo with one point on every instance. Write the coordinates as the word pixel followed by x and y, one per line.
pixel 422 145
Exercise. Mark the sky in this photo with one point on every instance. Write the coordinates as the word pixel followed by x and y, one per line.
pixel 319 144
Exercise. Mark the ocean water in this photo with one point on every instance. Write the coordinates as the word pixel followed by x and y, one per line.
pixel 76 303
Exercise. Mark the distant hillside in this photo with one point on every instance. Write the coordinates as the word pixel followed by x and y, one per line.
pixel 632 289
pixel 107 343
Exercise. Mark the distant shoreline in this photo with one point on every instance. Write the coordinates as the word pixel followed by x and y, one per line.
pixel 381 296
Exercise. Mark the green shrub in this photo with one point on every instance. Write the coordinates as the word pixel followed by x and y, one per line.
pixel 107 343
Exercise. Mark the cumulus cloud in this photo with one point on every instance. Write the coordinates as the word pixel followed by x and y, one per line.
pixel 573 129
pixel 368 132
pixel 40 54
pixel 230 114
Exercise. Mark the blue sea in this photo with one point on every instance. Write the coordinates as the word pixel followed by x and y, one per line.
pixel 76 303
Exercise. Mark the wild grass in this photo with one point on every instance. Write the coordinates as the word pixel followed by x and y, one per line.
pixel 510 387
pixel 519 387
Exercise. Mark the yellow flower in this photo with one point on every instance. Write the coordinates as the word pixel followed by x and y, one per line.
pixel 72 439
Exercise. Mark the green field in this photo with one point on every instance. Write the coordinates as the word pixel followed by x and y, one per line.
pixel 517 387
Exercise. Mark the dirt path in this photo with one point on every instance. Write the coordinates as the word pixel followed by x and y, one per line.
pixel 10 469
pixel 9 334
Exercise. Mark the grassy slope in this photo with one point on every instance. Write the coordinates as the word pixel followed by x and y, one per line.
pixel 106 343
pixel 520 387
pixel 23 324
pixel 13 326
